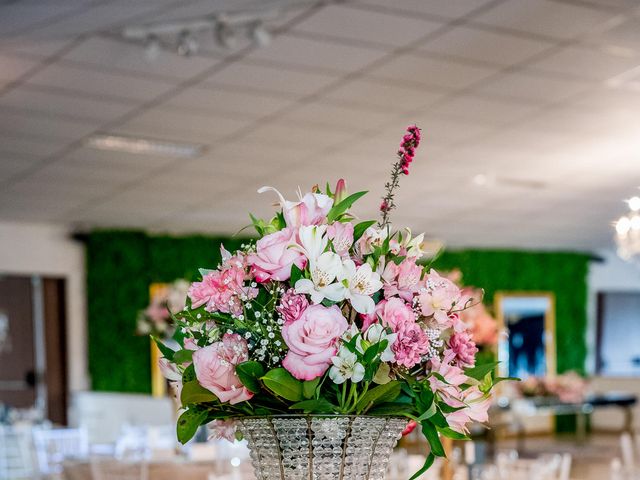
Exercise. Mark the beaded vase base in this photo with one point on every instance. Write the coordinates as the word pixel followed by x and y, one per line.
pixel 321 447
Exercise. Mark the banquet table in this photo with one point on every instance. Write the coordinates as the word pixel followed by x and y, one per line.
pixel 167 470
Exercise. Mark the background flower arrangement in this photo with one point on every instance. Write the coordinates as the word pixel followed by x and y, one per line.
pixel 157 319
pixel 325 314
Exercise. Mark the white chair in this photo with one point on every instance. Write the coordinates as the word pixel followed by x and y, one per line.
pixel 16 453
pixel 56 445
pixel 627 448
pixel 111 469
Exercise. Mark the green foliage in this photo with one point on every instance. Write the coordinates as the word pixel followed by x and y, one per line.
pixel 282 383
pixel 189 422
pixel 120 267
pixel 193 392
pixel 249 374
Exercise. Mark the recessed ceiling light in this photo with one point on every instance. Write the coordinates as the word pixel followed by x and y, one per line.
pixel 144 146
pixel 481 180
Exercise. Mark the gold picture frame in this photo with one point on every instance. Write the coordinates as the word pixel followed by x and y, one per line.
pixel 549 326
pixel 158 382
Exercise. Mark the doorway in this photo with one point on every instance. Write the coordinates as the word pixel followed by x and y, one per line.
pixel 33 350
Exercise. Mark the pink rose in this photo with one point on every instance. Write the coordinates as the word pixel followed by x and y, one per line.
pixel 312 341
pixel 438 297
pixel 341 234
pixel 201 292
pixel 291 306
pixel 273 258
pixel 215 368
pixel 453 375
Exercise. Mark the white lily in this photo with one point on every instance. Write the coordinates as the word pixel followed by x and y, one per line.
pixel 312 241
pixel 324 271
pixel 346 367
pixel 376 333
pixel 415 245
pixel 360 283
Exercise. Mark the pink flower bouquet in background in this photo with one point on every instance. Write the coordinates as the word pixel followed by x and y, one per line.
pixel 568 387
pixel 328 314
pixel 157 319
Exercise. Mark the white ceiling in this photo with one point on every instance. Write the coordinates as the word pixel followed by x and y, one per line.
pixel 515 89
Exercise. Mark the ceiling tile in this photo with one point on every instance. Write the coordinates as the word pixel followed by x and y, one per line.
pixel 32 144
pixel 369 93
pixel 431 72
pixel 344 21
pixel 222 101
pixel 99 83
pixel 625 33
pixel 171 125
pixel 12 68
pixel 17 17
pixel 527 85
pixel 270 79
pixel 312 53
pixel 335 116
pixel 37 100
pixel 108 53
pixel 24 123
pixel 446 8
pixel 545 17
pixel 11 165
pixel 102 160
pixel 485 110
pixel 476 44
pixel 289 135
pixel 587 63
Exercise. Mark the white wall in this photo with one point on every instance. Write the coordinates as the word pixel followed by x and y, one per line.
pixel 48 250
pixel 613 274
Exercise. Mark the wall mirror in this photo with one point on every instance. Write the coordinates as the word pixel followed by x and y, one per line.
pixel 527 347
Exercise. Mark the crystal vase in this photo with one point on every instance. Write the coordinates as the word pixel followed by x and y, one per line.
pixel 297 447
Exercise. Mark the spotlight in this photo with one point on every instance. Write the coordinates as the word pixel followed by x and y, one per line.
pixel 260 35
pixel 187 44
pixel 225 36
pixel 153 48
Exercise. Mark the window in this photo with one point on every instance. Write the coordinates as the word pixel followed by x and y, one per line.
pixel 618 337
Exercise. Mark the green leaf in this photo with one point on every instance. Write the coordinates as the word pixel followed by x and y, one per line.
pixel 188 424
pixel 249 374
pixel 309 387
pixel 450 433
pixel 431 434
pixel 380 394
pixel 193 392
pixel 478 372
pixel 164 350
pixel 428 413
pixel 183 356
pixel 296 274
pixel 486 383
pixel 373 351
pixel 320 405
pixel 189 374
pixel 257 224
pixel 360 228
pixel 282 383
pixel 427 465
pixel 343 206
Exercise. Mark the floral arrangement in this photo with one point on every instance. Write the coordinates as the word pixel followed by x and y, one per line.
pixel 568 387
pixel 325 314
pixel 157 318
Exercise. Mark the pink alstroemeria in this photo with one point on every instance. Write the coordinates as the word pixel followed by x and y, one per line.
pixel 341 235
pixel 438 297
pixel 402 280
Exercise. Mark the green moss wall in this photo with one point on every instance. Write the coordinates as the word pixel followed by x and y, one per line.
pixel 564 274
pixel 122 264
